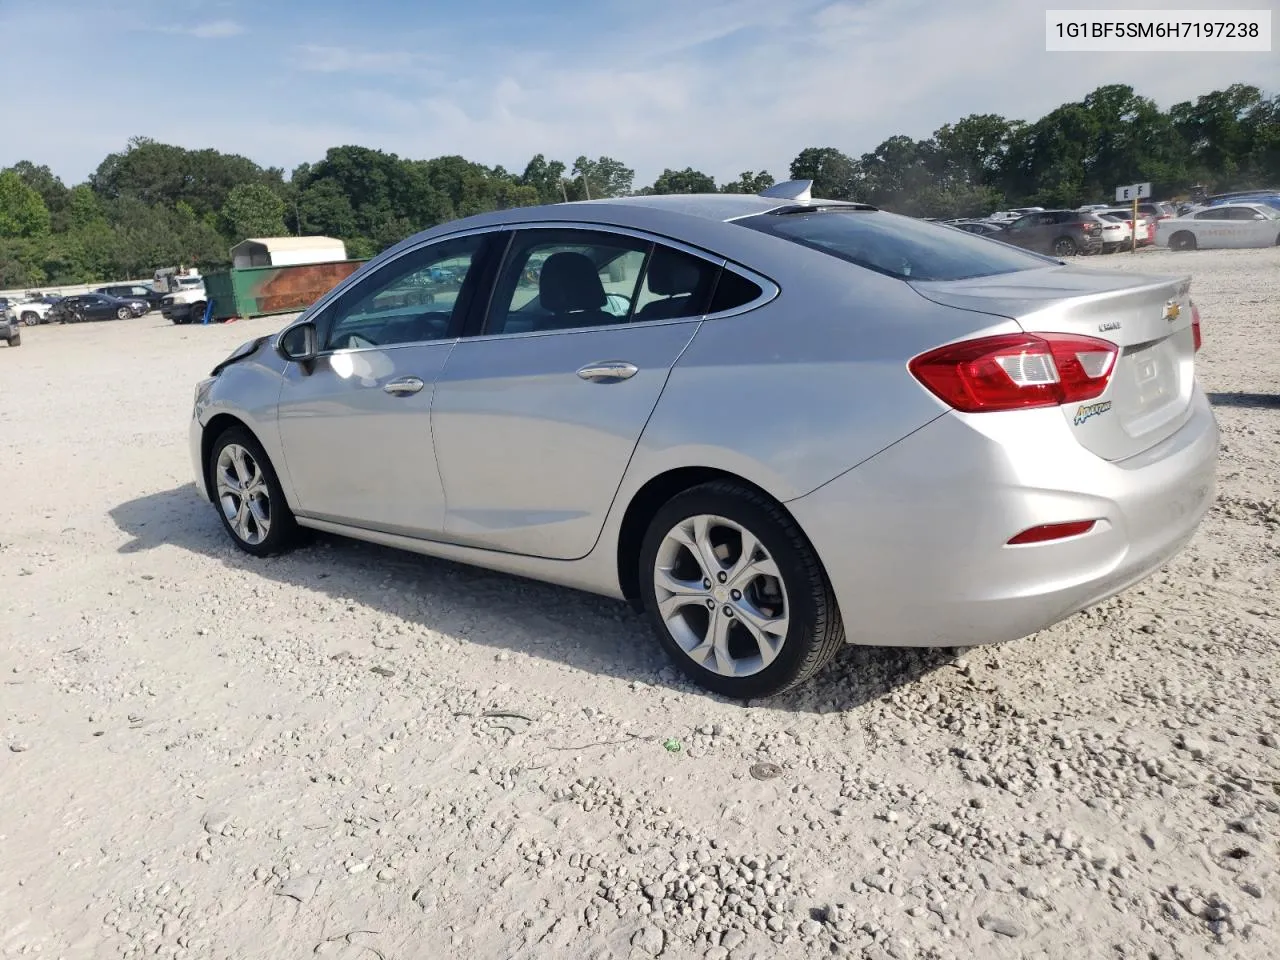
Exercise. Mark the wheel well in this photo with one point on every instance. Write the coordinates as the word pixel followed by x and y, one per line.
pixel 212 431
pixel 647 501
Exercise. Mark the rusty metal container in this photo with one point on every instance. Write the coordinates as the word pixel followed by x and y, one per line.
pixel 262 291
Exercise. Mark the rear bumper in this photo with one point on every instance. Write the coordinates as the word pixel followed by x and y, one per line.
pixel 914 541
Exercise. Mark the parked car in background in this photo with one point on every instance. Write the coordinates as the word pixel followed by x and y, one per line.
pixel 1116 233
pixel 10 326
pixel 1062 233
pixel 984 228
pixel 95 306
pixel 133 291
pixel 35 310
pixel 1268 199
pixel 1225 225
pixel 1145 225
pixel 970 476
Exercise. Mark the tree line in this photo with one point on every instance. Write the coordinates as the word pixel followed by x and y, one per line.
pixel 156 204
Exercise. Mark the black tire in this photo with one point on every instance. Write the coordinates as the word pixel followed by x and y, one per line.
pixel 196 314
pixel 30 318
pixel 1065 247
pixel 815 631
pixel 15 340
pixel 124 313
pixel 282 528
pixel 1182 240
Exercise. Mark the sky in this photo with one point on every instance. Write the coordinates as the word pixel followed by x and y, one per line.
pixel 720 85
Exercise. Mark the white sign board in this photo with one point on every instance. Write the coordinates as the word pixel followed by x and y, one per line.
pixel 1135 191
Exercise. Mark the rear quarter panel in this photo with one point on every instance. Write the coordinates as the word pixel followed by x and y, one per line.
pixel 804 388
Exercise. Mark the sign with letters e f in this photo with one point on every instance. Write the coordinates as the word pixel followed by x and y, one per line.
pixel 1135 191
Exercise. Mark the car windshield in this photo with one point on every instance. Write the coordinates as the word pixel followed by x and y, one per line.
pixel 898 246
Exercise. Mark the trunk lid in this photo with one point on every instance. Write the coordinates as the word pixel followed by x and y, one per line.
pixel 1149 394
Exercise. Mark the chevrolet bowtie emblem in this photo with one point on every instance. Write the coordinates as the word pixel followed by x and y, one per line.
pixel 1172 311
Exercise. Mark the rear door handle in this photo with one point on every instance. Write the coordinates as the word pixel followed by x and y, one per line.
pixel 609 371
pixel 404 386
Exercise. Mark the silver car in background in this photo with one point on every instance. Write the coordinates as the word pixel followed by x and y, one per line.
pixel 775 423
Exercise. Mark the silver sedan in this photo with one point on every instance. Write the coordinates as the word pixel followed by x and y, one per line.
pixel 775 423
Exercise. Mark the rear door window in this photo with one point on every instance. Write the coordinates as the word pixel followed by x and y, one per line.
pixel 897 246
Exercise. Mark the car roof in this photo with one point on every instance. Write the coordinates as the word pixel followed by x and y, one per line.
pixel 695 218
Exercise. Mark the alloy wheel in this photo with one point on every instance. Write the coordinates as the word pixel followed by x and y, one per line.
pixel 721 596
pixel 243 494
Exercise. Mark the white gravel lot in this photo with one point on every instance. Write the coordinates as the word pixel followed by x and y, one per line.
pixel 207 755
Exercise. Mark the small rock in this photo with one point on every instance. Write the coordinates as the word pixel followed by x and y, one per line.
pixel 382 671
pixel 1252 889
pixel 732 938
pixel 716 953
pixel 19 747
pixel 1001 925
pixel 387 874
pixel 649 940
pixel 810 928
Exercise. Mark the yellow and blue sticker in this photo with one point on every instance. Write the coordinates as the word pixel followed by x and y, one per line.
pixel 1088 411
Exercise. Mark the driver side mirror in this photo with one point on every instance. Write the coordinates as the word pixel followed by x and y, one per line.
pixel 298 343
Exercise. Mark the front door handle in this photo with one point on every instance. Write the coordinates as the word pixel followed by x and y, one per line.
pixel 609 371
pixel 404 386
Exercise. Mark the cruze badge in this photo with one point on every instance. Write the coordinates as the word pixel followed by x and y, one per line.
pixel 1172 311
pixel 1109 325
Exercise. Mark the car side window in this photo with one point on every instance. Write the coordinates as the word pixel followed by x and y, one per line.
pixel 675 285
pixel 733 290
pixel 567 279
pixel 415 298
pixel 1212 215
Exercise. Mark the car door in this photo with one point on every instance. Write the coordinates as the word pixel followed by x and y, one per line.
pixel 96 307
pixel 355 423
pixel 536 416
pixel 1023 232
pixel 1251 228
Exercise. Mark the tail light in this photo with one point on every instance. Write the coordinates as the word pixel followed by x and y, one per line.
pixel 1016 371
pixel 1195 325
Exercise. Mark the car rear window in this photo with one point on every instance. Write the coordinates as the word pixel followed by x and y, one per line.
pixel 898 246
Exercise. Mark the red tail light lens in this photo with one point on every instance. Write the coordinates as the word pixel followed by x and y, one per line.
pixel 1195 325
pixel 1016 371
pixel 1053 531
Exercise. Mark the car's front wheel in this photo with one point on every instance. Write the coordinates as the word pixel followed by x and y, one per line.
pixel 248 494
pixel 30 318
pixel 1182 240
pixel 124 313
pixel 16 339
pixel 736 593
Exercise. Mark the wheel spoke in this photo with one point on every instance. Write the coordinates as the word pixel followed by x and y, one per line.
pixel 769 633
pixel 719 639
pixel 244 472
pixel 679 593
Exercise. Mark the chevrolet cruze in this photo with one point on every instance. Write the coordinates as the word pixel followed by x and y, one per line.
pixel 777 424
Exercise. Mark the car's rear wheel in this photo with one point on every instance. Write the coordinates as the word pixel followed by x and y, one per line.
pixel 16 339
pixel 1064 247
pixel 1182 240
pixel 248 494
pixel 124 313
pixel 196 315
pixel 736 593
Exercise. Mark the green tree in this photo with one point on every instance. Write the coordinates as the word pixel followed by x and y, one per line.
pixel 22 210
pixel 749 182
pixel 596 179
pixel 833 174
pixel 546 177
pixel 687 180
pixel 252 210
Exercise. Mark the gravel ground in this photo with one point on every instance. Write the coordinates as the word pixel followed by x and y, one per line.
pixel 351 752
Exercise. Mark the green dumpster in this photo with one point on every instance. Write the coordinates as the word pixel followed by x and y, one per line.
pixel 262 291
